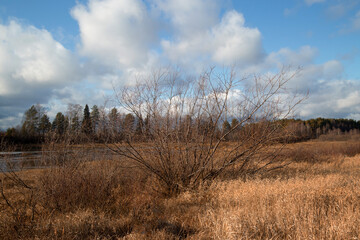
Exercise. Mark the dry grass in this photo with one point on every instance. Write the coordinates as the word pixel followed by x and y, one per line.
pixel 316 151
pixel 319 207
pixel 313 198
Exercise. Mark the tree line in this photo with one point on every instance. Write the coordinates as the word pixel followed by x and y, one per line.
pixel 303 130
pixel 79 124
pixel 82 124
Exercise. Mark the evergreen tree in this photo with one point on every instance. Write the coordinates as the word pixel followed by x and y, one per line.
pixel 86 126
pixel 45 125
pixel 11 133
pixel 95 118
pixel 59 124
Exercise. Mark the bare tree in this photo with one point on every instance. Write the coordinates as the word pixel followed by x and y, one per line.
pixel 183 136
pixel 74 114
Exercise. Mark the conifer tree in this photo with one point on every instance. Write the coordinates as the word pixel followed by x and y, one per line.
pixel 86 126
pixel 45 125
pixel 95 118
pixel 59 123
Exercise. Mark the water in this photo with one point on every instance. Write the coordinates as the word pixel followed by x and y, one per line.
pixel 23 160
pixel 20 160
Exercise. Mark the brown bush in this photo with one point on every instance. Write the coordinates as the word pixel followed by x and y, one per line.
pixel 184 124
pixel 72 187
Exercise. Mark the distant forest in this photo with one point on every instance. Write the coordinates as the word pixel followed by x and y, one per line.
pixel 82 124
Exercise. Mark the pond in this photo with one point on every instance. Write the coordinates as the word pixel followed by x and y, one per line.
pixel 24 160
pixel 20 160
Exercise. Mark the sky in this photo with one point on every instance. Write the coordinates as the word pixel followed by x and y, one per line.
pixel 74 51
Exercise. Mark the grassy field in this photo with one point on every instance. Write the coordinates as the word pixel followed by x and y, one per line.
pixel 317 196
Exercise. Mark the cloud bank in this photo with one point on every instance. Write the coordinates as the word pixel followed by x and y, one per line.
pixel 123 38
pixel 32 66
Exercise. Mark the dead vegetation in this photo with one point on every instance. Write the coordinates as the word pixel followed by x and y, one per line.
pixel 184 122
pixel 185 172
pixel 315 197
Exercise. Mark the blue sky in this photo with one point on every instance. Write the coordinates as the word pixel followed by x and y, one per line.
pixel 59 52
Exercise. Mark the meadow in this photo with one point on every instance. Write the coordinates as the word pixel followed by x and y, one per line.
pixel 316 196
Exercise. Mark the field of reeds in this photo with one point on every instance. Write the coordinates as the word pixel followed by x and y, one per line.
pixel 316 196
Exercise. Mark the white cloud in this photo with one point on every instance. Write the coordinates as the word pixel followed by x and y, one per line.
pixel 334 99
pixel 115 33
pixel 350 100
pixel 122 39
pixel 30 57
pixel 123 34
pixel 333 69
pixel 355 116
pixel 304 56
pixel 32 64
pixel 311 2
pixel 190 17
pixel 227 42
pixel 329 94
pixel 233 42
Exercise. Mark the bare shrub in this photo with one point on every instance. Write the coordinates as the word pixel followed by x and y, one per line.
pixel 72 187
pixel 18 198
pixel 182 121
pixel 18 214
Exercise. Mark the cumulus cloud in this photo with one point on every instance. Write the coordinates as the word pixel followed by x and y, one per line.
pixel 335 99
pixel 233 42
pixel 32 64
pixel 115 33
pixel 304 56
pixel 31 57
pixel 329 94
pixel 122 39
pixel 227 42
pixel 125 35
pixel 190 17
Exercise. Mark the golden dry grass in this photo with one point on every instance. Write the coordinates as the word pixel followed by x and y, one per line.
pixel 318 207
pixel 317 199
